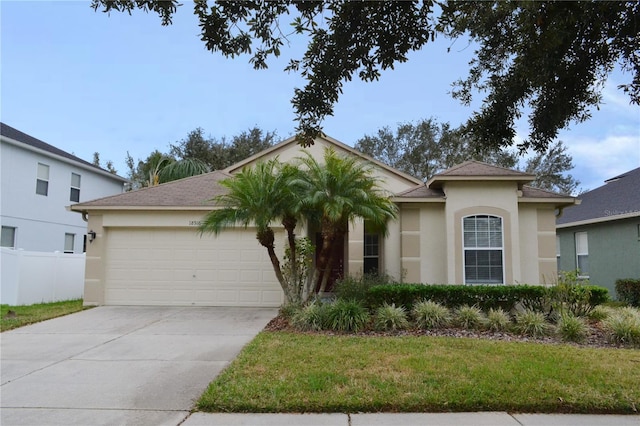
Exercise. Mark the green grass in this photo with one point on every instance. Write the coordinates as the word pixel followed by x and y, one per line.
pixel 29 314
pixel 289 372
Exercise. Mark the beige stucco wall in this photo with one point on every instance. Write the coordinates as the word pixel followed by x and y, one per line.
pixel 432 243
pixel 477 198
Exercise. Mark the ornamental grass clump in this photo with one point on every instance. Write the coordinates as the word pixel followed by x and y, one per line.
pixel 469 317
pixel 600 313
pixel 572 328
pixel 531 323
pixel 346 315
pixel 390 317
pixel 428 314
pixel 311 317
pixel 624 326
pixel 498 320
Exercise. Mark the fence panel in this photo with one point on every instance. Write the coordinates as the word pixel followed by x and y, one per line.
pixel 35 277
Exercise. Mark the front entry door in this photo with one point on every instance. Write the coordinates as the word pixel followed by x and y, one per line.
pixel 337 272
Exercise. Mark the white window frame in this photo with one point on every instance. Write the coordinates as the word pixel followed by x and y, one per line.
pixel 69 238
pixel 75 188
pixel 489 247
pixel 14 231
pixel 582 251
pixel 558 252
pixel 42 175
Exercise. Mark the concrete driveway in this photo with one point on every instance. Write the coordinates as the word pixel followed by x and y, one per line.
pixel 119 365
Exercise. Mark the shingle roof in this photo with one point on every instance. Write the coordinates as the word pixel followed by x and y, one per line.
pixel 421 192
pixel 531 192
pixel 195 191
pixel 15 134
pixel 477 170
pixel 618 196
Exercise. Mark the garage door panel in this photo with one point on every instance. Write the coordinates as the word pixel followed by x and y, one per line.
pixel 178 267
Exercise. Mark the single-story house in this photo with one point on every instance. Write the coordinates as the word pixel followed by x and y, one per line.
pixel 601 236
pixel 474 223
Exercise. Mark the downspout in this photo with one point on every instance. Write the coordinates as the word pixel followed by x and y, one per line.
pixel 84 215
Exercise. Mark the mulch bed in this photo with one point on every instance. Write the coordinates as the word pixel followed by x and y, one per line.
pixel 596 337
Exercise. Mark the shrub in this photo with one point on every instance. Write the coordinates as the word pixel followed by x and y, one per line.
pixel 531 323
pixel 469 317
pixel 390 317
pixel 357 288
pixel 452 296
pixel 346 315
pixel 429 314
pixel 628 290
pixel 575 296
pixel 310 318
pixel 288 310
pixel 572 328
pixel 498 320
pixel 624 326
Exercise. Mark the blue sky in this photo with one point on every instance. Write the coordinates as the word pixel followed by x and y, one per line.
pixel 85 82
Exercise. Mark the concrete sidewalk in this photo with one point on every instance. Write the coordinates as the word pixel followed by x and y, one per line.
pixel 410 419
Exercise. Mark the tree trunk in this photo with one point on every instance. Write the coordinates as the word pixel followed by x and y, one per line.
pixel 266 239
pixel 289 224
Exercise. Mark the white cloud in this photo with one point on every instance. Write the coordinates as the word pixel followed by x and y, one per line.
pixel 597 160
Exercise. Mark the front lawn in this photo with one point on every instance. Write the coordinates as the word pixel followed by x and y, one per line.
pixel 296 372
pixel 18 316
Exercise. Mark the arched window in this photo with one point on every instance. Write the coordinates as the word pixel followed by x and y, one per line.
pixel 483 250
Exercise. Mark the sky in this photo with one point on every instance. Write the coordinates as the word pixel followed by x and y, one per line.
pixel 88 82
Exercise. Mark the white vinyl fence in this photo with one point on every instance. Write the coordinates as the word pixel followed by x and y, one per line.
pixel 34 277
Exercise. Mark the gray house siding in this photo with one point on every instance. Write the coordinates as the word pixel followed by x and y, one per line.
pixel 614 250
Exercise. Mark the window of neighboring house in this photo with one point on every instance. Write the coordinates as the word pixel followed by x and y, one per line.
pixel 582 254
pixel 558 252
pixel 42 182
pixel 371 251
pixel 69 240
pixel 8 238
pixel 75 187
pixel 483 264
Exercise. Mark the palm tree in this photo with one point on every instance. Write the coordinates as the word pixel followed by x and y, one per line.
pixel 339 191
pixel 259 196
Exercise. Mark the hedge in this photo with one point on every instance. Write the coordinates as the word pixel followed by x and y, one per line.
pixel 534 297
pixel 628 290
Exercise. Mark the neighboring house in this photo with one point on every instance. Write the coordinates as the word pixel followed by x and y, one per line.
pixel 600 237
pixel 38 183
pixel 473 223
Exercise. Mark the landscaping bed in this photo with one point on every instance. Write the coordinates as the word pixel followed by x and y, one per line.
pixel 597 336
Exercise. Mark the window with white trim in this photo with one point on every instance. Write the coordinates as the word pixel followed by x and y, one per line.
pixel 8 237
pixel 75 187
pixel 558 252
pixel 371 250
pixel 582 254
pixel 69 240
pixel 42 181
pixel 483 250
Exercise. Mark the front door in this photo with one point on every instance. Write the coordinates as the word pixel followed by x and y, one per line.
pixel 337 272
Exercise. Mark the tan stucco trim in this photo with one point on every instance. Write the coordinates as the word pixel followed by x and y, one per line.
pixel 95 261
pixel 507 249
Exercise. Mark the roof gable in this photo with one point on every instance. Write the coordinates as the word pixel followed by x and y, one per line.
pixel 618 197
pixel 478 171
pixel 289 149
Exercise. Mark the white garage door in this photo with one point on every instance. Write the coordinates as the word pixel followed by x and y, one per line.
pixel 178 267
